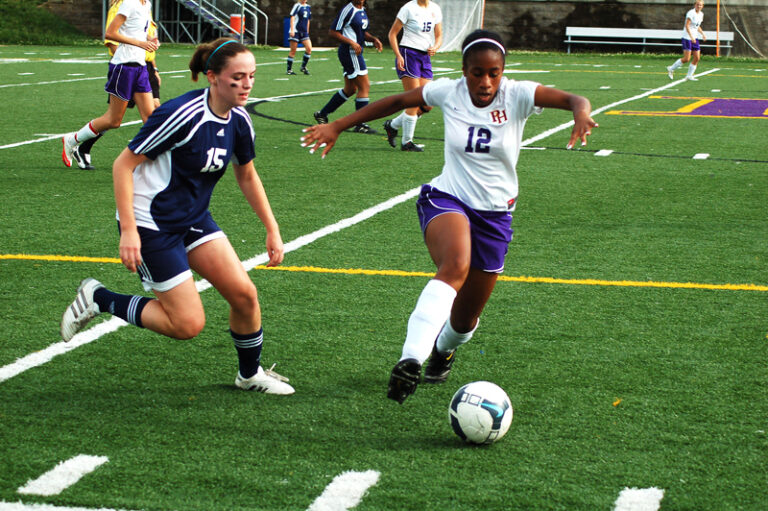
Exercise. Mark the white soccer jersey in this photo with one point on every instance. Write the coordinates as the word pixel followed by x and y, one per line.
pixel 482 144
pixel 419 24
pixel 138 16
pixel 696 19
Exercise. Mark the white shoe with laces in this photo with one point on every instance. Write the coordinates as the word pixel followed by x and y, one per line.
pixel 265 381
pixel 692 79
pixel 670 73
pixel 82 310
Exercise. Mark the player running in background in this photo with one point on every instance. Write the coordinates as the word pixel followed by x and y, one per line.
pixel 298 32
pixel 465 212
pixel 163 184
pixel 350 28
pixel 691 30
pixel 422 24
pixel 82 153
pixel 127 78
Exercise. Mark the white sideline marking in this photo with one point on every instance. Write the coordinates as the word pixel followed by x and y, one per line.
pixel 634 499
pixel 345 491
pixel 63 475
pixel 20 506
pixel 701 156
pixel 604 152
pixel 612 105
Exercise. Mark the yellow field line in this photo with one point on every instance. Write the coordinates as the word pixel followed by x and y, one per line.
pixel 400 273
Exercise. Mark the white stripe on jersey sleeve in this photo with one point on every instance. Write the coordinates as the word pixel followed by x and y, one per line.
pixel 344 12
pixel 172 124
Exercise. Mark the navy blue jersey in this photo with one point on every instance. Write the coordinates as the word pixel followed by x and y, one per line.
pixel 352 23
pixel 303 14
pixel 189 148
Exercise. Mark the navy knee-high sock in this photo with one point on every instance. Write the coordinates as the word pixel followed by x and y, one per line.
pixel 248 348
pixel 336 101
pixel 126 307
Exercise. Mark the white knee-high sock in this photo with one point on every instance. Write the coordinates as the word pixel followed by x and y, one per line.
pixel 449 339
pixel 409 127
pixel 85 133
pixel 432 311
pixel 397 122
pixel 691 70
pixel 676 65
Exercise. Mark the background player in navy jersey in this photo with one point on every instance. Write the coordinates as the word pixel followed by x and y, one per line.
pixel 163 184
pixel 691 31
pixel 465 212
pixel 128 77
pixel 350 28
pixel 298 32
pixel 422 24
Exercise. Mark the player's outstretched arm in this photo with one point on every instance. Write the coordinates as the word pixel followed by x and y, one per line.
pixel 547 97
pixel 325 135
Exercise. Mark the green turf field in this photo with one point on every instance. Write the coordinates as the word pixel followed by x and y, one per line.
pixel 629 328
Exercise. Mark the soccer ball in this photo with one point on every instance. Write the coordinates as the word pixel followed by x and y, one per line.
pixel 480 412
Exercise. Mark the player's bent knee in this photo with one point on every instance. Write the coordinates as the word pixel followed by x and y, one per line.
pixel 189 328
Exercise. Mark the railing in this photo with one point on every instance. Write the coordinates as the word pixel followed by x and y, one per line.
pixel 207 11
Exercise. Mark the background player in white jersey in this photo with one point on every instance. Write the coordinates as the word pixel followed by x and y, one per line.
pixel 128 77
pixel 82 153
pixel 691 48
pixel 465 212
pixel 298 32
pixel 163 184
pixel 422 24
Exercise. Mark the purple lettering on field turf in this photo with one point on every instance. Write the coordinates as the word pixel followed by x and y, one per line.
pixel 709 107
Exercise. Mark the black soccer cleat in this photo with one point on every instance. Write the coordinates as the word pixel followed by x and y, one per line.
pixel 304 70
pixel 83 160
pixel 292 73
pixel 411 147
pixel 439 366
pixel 320 118
pixel 391 132
pixel 364 128
pixel 405 376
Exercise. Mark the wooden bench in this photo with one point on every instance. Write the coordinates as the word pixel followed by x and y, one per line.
pixel 639 36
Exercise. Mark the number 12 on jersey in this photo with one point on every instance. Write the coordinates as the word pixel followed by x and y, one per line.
pixel 478 142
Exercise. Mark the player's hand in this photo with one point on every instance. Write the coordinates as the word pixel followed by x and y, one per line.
pixel 703 37
pixel 130 249
pixel 356 48
pixel 431 51
pixel 275 249
pixel 377 44
pixel 582 127
pixel 400 63
pixel 320 136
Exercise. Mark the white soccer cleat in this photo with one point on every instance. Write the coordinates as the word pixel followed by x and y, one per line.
pixel 82 310
pixel 670 73
pixel 265 381
pixel 69 143
pixel 692 79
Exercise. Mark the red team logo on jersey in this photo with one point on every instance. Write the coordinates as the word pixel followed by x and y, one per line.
pixel 499 116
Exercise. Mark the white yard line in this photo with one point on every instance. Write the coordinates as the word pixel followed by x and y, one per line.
pixel 345 491
pixel 639 499
pixel 63 475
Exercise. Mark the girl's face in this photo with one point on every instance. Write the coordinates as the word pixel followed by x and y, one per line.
pixel 233 85
pixel 483 71
pixel 698 6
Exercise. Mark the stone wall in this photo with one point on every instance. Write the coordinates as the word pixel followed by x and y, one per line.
pixel 84 15
pixel 535 25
